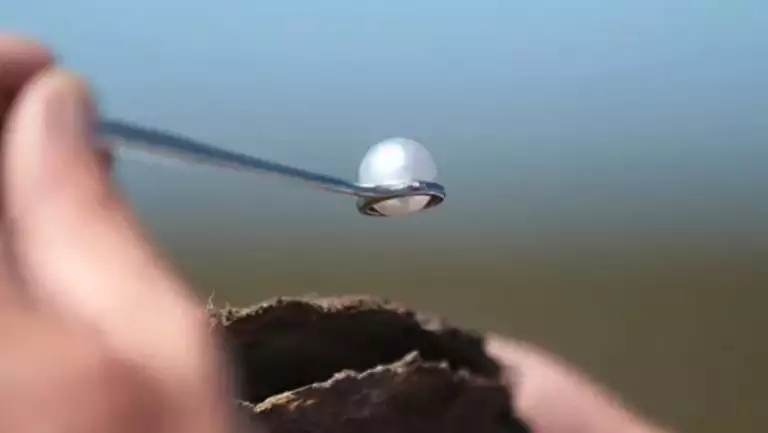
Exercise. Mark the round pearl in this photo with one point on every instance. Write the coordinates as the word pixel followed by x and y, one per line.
pixel 394 162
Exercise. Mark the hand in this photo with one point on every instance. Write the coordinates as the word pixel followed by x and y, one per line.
pixel 553 397
pixel 97 333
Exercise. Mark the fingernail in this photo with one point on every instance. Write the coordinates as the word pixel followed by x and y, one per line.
pixel 68 114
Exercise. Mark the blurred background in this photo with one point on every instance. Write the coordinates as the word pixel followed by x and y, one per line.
pixel 605 163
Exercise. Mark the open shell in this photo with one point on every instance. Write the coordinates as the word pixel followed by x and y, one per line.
pixel 360 365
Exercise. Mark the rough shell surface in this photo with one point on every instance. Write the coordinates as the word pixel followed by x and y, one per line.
pixel 356 364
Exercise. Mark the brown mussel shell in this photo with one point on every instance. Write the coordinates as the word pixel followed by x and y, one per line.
pixel 354 364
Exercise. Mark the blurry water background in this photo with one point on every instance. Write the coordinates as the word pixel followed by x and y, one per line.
pixel 605 162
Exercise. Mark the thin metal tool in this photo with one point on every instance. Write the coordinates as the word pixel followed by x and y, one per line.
pixel 393 165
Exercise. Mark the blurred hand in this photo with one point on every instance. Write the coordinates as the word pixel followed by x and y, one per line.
pixel 553 397
pixel 97 334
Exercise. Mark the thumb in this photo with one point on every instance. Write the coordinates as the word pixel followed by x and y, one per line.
pixel 78 246
pixel 81 250
pixel 53 108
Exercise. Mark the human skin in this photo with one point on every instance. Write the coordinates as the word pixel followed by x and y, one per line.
pixel 99 334
pixel 554 397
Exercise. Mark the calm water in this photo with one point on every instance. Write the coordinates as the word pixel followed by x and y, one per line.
pixel 605 164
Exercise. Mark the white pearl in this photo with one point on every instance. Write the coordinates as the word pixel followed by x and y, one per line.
pixel 394 162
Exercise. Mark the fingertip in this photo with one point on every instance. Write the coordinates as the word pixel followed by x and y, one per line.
pixel 510 351
pixel 43 96
pixel 20 57
pixel 55 83
pixel 19 42
pixel 553 396
pixel 48 139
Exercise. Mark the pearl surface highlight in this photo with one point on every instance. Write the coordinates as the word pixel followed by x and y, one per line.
pixel 394 162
